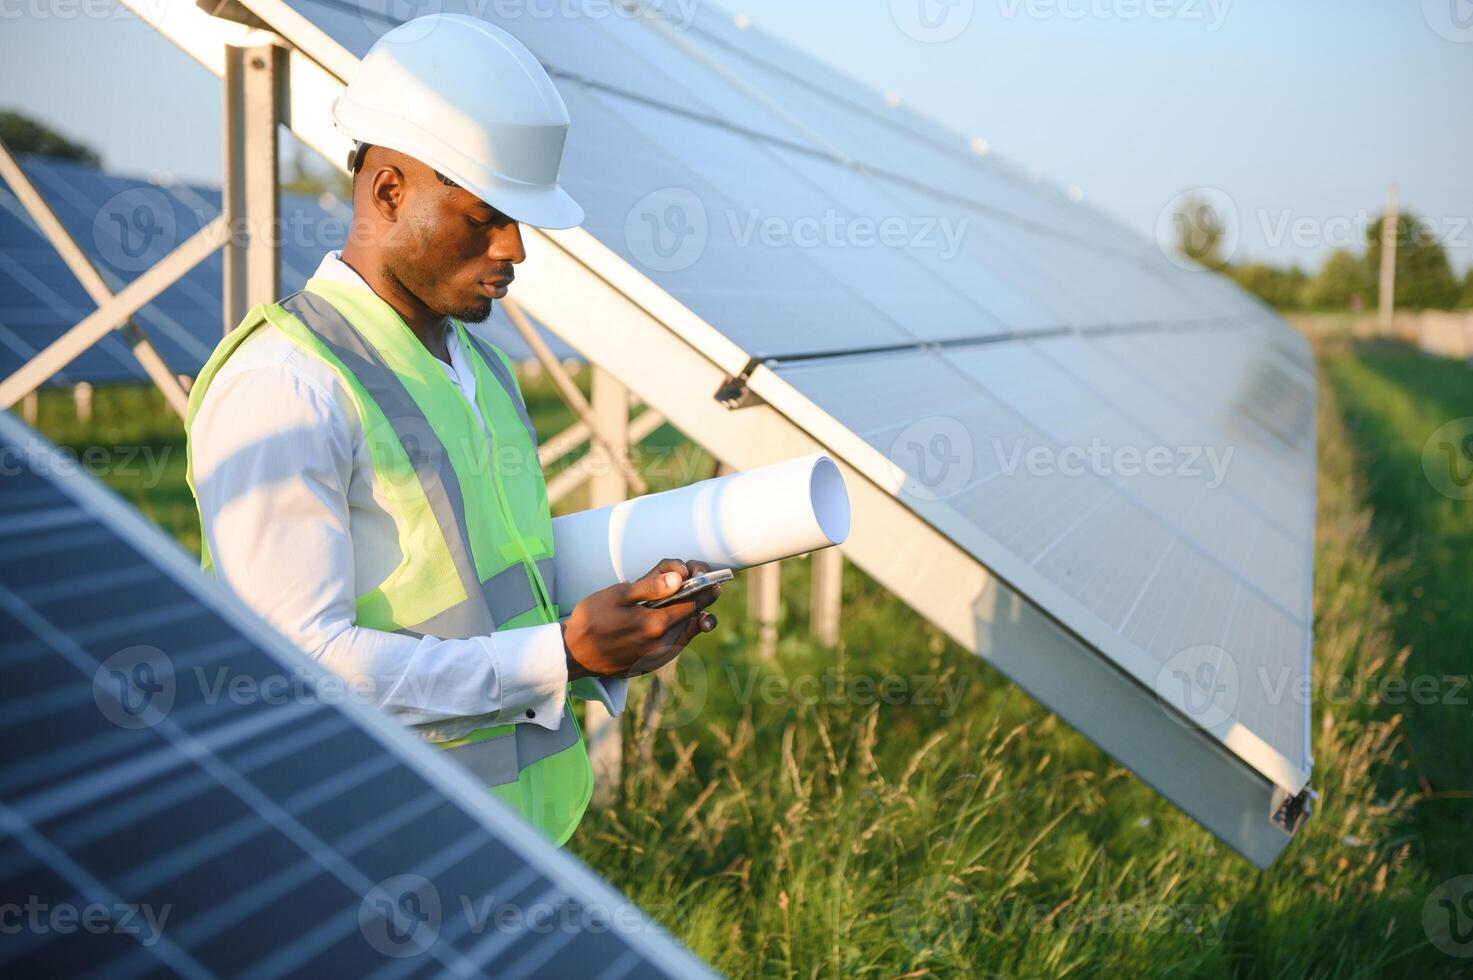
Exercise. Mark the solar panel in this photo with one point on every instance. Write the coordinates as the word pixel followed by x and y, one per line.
pixel 126 224
pixel 1211 548
pixel 1127 443
pixel 183 793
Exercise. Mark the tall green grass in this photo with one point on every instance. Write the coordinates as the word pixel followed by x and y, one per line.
pixel 1396 399
pixel 895 808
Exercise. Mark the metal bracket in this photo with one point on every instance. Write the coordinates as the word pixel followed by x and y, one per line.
pixel 1290 812
pixel 734 392
pixel 232 10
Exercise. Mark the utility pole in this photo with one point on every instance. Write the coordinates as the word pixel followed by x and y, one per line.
pixel 1389 226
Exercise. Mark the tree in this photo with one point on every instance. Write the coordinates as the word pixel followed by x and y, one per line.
pixel 1342 283
pixel 1281 288
pixel 1200 232
pixel 25 135
pixel 1466 302
pixel 1424 280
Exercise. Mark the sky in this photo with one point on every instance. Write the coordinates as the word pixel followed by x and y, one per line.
pixel 1292 115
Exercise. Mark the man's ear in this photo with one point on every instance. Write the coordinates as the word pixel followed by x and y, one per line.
pixel 386 189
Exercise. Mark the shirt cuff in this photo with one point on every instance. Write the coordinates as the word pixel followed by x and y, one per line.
pixel 532 667
pixel 611 692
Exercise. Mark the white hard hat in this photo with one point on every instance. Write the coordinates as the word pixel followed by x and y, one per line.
pixel 468 99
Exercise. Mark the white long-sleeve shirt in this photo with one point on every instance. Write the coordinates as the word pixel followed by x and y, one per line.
pixel 286 502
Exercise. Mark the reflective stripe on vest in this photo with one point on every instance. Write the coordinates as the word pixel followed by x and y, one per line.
pixel 497 757
pixel 507 594
pixel 503 531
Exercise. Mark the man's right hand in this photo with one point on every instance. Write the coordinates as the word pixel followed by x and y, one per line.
pixel 610 635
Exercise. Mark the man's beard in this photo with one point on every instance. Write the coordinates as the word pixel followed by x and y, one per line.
pixel 479 313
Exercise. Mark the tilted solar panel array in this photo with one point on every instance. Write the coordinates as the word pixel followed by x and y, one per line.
pixel 124 225
pixel 182 794
pixel 1003 334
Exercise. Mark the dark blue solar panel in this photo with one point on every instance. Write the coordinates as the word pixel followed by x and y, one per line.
pixel 181 793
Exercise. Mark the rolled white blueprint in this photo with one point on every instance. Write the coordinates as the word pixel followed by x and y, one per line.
pixel 734 521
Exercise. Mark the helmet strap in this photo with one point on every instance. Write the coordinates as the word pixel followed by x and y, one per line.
pixel 356 155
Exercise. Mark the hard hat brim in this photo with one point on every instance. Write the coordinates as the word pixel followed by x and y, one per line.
pixel 540 207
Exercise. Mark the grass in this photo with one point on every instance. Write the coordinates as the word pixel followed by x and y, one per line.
pixel 894 808
pixel 1395 400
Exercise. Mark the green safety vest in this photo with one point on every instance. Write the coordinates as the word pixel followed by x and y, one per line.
pixel 471 510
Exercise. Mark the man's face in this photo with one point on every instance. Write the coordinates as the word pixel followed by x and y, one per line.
pixel 451 250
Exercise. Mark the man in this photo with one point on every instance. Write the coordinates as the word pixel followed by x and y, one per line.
pixel 365 471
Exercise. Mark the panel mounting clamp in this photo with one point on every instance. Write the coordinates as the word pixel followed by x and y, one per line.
pixel 734 392
pixel 1292 811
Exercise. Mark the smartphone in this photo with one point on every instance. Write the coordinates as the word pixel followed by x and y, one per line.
pixel 692 585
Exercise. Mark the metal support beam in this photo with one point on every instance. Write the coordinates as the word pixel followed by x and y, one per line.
pixel 111 314
pixel 553 449
pixel 556 447
pixel 827 595
pixel 616 450
pixel 609 416
pixel 76 260
pixel 575 476
pixel 255 106
pixel 764 604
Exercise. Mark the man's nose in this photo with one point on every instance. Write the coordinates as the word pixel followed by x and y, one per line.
pixel 506 244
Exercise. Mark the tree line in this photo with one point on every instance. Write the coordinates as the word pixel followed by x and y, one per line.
pixel 1347 280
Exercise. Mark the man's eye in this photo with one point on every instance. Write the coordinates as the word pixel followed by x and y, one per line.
pixel 477 223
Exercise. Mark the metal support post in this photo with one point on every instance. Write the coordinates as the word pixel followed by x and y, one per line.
pixel 827 595
pixel 610 417
pixel 764 604
pixel 255 100
pixel 82 400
